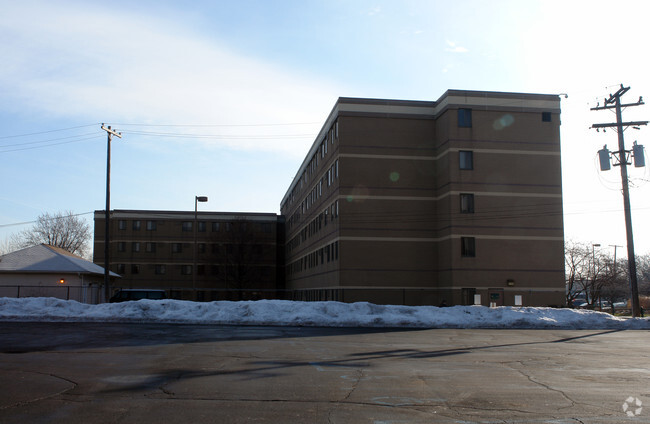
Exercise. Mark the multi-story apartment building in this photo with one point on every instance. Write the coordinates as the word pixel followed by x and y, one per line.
pixel 215 256
pixel 400 202
pixel 415 202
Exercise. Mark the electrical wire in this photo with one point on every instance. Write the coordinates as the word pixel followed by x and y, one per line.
pixel 217 125
pixel 50 145
pixel 51 219
pixel 216 136
pixel 49 140
pixel 48 131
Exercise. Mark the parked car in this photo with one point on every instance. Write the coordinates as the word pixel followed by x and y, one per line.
pixel 126 295
pixel 576 303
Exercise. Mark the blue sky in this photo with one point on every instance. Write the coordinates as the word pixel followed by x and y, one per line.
pixel 224 99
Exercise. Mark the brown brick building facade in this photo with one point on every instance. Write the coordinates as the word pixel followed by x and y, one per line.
pixel 237 254
pixel 413 202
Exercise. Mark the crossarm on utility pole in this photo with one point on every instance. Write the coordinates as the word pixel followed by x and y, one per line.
pixel 111 131
pixel 622 124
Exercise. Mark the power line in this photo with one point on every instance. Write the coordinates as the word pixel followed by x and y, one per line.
pixel 47 132
pixel 48 140
pixel 49 145
pixel 217 125
pixel 216 136
pixel 51 219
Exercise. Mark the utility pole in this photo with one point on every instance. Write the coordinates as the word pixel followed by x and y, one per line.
pixel 614 246
pixel 107 280
pixel 623 156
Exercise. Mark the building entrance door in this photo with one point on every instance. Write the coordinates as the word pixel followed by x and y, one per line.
pixel 496 297
pixel 468 296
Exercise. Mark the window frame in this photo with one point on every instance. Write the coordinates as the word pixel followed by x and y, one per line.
pixel 466 203
pixel 468 247
pixel 464 117
pixel 463 163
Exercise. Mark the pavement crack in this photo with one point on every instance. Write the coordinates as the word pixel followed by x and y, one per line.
pixel 346 399
pixel 354 385
pixel 50 396
pixel 546 386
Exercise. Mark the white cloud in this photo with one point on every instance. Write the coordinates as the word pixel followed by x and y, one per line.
pixel 454 48
pixel 70 62
pixel 374 11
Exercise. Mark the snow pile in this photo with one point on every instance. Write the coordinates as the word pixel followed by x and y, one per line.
pixel 325 314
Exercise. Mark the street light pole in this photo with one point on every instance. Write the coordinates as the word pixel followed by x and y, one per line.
pixel 197 199
pixel 593 258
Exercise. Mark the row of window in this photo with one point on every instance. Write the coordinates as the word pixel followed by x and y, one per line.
pixel 324 255
pixel 317 191
pixel 163 269
pixel 228 248
pixel 330 253
pixel 152 225
pixel 330 138
pixel 326 180
pixel 159 269
pixel 137 225
pixel 329 215
pixel 465 117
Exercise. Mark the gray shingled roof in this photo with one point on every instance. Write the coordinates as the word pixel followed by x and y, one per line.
pixel 46 258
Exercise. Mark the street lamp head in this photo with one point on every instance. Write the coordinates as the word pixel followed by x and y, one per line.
pixel 201 198
pixel 596 245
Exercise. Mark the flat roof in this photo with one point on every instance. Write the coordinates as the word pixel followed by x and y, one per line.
pixel 159 214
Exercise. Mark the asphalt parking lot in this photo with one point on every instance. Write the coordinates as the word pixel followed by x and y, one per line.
pixel 156 373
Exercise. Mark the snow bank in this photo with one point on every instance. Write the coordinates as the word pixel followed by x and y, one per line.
pixel 326 314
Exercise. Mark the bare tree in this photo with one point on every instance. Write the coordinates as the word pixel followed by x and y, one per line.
pixel 5 247
pixel 643 274
pixel 577 263
pixel 613 285
pixel 62 229
pixel 238 252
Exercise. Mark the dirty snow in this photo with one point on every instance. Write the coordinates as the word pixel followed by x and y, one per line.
pixel 325 314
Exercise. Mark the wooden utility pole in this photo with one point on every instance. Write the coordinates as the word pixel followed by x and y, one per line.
pixel 623 156
pixel 107 280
